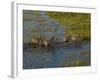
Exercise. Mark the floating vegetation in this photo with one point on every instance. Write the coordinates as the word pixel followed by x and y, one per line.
pixel 85 53
pixel 80 63
pixel 75 63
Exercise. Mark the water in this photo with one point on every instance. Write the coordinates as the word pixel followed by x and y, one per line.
pixel 44 25
pixel 60 54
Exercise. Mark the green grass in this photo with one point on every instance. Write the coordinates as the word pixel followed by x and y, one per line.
pixel 73 23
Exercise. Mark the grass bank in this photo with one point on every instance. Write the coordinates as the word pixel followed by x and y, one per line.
pixel 73 23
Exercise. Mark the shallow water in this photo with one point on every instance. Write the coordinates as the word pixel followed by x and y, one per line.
pixel 60 55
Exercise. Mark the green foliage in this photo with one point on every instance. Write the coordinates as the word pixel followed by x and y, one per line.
pixel 73 23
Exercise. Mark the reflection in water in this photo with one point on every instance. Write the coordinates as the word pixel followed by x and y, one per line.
pixel 42 25
pixel 59 55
